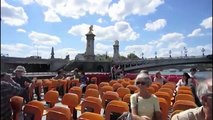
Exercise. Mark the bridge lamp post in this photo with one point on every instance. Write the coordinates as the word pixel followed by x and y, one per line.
pixel 185 51
pixel 203 50
pixel 155 54
pixel 142 55
pixel 170 52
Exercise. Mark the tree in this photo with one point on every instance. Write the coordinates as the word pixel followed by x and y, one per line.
pixel 132 56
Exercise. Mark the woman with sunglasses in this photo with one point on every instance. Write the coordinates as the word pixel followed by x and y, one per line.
pixel 144 105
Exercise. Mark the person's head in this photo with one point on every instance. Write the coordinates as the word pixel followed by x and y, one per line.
pixel 61 72
pixel 158 74
pixel 20 70
pixel 204 93
pixel 144 71
pixel 185 76
pixel 143 80
pixel 5 76
pixel 82 73
pixel 193 71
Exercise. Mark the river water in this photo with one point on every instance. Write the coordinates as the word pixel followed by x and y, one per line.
pixel 200 75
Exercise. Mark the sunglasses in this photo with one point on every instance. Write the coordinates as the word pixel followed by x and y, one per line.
pixel 140 82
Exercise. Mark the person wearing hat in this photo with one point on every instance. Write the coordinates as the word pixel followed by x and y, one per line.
pixel 9 88
pixel 144 105
pixel 24 82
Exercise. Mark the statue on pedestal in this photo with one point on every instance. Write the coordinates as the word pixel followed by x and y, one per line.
pixel 90 29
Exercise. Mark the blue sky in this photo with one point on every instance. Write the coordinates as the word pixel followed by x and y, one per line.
pixel 31 27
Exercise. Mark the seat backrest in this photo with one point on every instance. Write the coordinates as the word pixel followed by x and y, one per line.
pixel 164 108
pixel 122 92
pixel 109 96
pixel 90 116
pixel 102 84
pixel 125 83
pixel 183 105
pixel 78 91
pixel 59 113
pixel 94 80
pixel 74 83
pixel 132 88
pixel 164 95
pixel 155 86
pixel 37 104
pixel 32 112
pixel 184 88
pixel 92 92
pixel 70 99
pixel 105 89
pixel 16 103
pixel 151 90
pixel 51 97
pixel 184 97
pixel 116 106
pixel 94 86
pixel 126 98
pixel 90 106
pixel 111 82
pixel 184 92
pixel 116 86
pixel 94 99
pixel 168 90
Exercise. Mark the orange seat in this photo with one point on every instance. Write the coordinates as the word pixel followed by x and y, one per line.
pixel 102 84
pixel 183 105
pixel 51 97
pixel 122 92
pixel 164 108
pixel 104 89
pixel 94 86
pixel 116 86
pixel 125 83
pixel 71 100
pixel 73 83
pixel 38 84
pixel 112 82
pixel 184 92
pixel 155 86
pixel 47 85
pixel 109 96
pixel 32 112
pixel 132 82
pixel 151 90
pixel 91 106
pixel 126 98
pixel 94 80
pixel 158 84
pixel 90 116
pixel 64 84
pixel 132 88
pixel 164 95
pixel 91 92
pixel 184 88
pixel 37 104
pixel 59 113
pixel 16 103
pixel 116 106
pixel 184 97
pixel 78 91
pixel 168 90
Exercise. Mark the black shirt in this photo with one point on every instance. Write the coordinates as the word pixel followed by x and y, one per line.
pixel 22 80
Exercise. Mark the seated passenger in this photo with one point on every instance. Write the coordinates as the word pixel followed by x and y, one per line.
pixel 159 78
pixel 60 76
pixel 184 81
pixel 83 81
pixel 204 112
pixel 144 105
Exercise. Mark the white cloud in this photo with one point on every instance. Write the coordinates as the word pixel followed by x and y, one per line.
pixel 42 38
pixel 51 16
pixel 207 23
pixel 195 33
pixel 61 53
pixel 121 31
pixel 13 16
pixel 27 2
pixel 102 48
pixel 172 36
pixel 21 30
pixel 76 8
pixel 156 25
pixel 122 9
pixel 138 49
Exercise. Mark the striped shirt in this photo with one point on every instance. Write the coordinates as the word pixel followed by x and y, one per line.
pixel 8 90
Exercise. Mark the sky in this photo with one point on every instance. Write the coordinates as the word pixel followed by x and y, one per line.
pixel 148 27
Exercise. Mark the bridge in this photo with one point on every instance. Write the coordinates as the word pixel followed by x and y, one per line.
pixel 162 63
